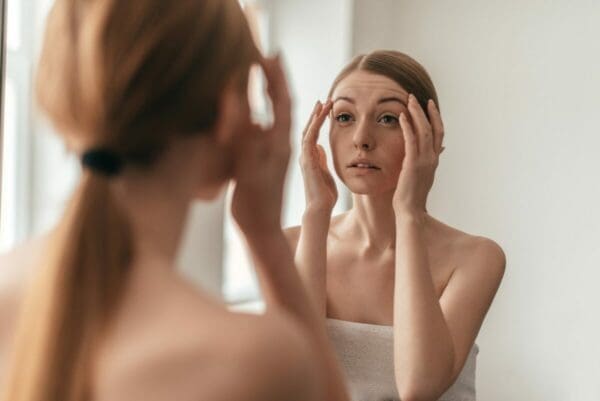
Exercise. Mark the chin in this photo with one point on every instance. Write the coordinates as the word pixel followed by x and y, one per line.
pixel 367 187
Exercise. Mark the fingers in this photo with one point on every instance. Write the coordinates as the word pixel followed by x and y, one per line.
pixel 314 128
pixel 423 128
pixel 410 139
pixel 322 157
pixel 437 126
pixel 311 118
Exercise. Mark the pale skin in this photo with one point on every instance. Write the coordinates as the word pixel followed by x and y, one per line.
pixel 387 261
pixel 171 341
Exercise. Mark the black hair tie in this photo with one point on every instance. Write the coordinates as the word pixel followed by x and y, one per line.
pixel 102 161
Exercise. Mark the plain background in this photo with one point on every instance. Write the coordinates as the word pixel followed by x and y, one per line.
pixel 519 89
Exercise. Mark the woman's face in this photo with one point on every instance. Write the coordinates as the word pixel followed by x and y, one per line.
pixel 365 137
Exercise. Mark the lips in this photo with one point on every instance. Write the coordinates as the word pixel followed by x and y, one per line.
pixel 363 164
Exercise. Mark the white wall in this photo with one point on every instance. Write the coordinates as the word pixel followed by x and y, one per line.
pixel 519 87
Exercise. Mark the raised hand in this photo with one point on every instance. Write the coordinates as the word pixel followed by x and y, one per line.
pixel 263 159
pixel 423 146
pixel 319 186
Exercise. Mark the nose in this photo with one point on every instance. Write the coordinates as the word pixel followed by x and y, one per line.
pixel 362 140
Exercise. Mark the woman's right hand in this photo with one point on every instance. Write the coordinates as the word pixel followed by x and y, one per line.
pixel 319 187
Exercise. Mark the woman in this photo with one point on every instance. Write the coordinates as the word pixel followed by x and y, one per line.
pixel 405 294
pixel 152 94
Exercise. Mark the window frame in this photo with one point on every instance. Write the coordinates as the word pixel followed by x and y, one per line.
pixel 2 76
pixel 18 69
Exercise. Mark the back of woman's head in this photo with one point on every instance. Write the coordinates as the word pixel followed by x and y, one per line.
pixel 397 66
pixel 127 76
pixel 127 73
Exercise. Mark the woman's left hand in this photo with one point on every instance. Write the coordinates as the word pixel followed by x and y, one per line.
pixel 422 148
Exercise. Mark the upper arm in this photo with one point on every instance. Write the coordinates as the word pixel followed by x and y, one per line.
pixel 292 234
pixel 469 295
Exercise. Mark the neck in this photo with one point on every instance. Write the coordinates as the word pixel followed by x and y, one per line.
pixel 375 220
pixel 156 201
pixel 157 212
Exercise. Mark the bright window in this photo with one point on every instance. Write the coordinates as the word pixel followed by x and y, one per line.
pixel 16 88
pixel 13 28
pixel 32 159
pixel 239 279
pixel 9 167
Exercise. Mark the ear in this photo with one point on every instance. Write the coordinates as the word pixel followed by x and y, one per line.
pixel 228 110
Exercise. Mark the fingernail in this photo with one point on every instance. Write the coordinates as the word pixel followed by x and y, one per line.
pixel 411 97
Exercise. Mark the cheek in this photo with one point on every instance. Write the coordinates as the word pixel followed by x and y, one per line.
pixel 337 147
pixel 399 151
pixel 393 148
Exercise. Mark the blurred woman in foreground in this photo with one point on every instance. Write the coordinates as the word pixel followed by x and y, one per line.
pixel 153 96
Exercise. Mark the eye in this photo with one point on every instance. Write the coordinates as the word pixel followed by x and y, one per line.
pixel 389 119
pixel 343 118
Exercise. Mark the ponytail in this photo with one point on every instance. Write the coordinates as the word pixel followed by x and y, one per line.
pixel 71 298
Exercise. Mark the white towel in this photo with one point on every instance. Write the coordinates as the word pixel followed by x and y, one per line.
pixel 367 356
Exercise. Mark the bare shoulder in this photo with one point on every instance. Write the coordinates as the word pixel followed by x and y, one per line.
pixel 19 262
pixel 279 354
pixel 217 355
pixel 476 251
pixel 485 252
pixel 16 268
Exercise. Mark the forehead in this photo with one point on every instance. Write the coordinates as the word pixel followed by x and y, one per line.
pixel 367 86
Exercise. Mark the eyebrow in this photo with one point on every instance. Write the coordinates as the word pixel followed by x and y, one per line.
pixel 380 101
pixel 347 99
pixel 391 99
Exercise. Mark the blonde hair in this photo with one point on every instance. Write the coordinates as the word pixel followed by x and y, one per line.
pixel 129 76
pixel 399 67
